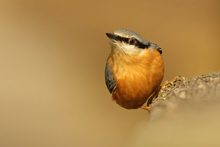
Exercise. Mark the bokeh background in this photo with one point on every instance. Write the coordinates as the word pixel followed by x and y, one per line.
pixel 52 58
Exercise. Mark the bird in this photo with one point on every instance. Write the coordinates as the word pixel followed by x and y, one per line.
pixel 134 69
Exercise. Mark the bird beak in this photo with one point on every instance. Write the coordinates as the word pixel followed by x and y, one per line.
pixel 111 36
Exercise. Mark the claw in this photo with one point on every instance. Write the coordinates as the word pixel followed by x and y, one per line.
pixel 145 107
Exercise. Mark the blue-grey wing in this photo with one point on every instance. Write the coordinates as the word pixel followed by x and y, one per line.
pixel 109 79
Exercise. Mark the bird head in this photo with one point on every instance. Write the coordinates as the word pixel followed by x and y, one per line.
pixel 129 42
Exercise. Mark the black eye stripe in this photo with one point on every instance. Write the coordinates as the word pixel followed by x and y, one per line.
pixel 135 42
pixel 131 41
pixel 122 39
pixel 159 50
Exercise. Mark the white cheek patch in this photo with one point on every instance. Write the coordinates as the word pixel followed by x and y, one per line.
pixel 130 49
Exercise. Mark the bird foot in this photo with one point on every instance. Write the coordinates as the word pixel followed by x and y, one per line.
pixel 145 107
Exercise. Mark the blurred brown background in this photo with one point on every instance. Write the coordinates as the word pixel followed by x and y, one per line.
pixel 52 57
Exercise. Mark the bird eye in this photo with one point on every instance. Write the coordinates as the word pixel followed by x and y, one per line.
pixel 132 41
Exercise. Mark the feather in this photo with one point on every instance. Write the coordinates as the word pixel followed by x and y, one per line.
pixel 109 79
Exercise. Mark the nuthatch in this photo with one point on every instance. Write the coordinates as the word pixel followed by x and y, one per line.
pixel 134 69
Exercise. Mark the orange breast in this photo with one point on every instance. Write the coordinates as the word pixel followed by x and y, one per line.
pixel 136 77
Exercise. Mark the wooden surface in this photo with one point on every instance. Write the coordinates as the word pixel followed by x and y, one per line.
pixel 185 113
pixel 182 91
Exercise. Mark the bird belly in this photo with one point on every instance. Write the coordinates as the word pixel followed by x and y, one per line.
pixel 136 78
pixel 133 89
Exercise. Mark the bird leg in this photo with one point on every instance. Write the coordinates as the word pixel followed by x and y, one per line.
pixel 146 106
